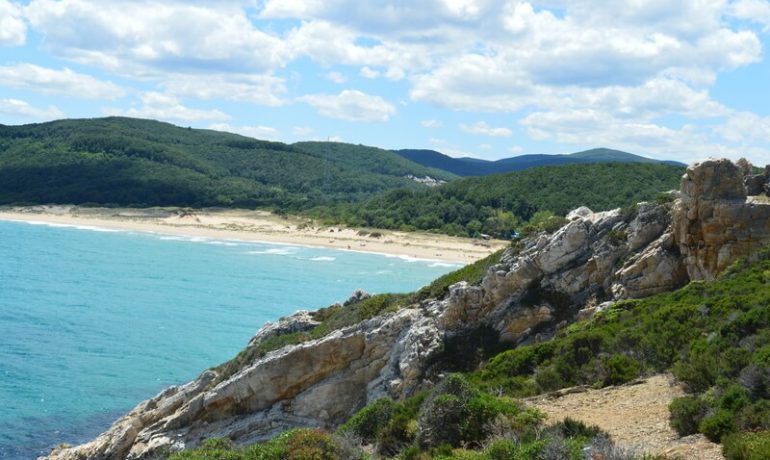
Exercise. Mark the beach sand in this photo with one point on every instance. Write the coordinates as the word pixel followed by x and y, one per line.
pixel 262 226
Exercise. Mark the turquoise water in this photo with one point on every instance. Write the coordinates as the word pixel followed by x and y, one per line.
pixel 94 321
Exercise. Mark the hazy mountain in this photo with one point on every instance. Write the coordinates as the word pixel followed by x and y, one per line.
pixel 478 167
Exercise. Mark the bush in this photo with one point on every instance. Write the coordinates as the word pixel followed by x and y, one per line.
pixel 441 421
pixel 309 444
pixel 620 369
pixel 548 379
pixel 686 414
pixel 369 421
pixel 503 449
pixel 717 425
pixel 457 413
pixel 754 416
pixel 734 398
pixel 747 446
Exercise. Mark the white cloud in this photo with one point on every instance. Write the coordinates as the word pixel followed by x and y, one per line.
pixel 395 73
pixel 746 129
pixel 483 129
pixel 516 150
pixel 265 90
pixel 22 109
pixel 740 135
pixel 431 124
pixel 63 82
pixel 142 38
pixel 302 131
pixel 351 105
pixel 366 72
pixel 752 10
pixel 167 107
pixel 485 147
pixel 13 29
pixel 582 69
pixel 257 132
pixel 336 77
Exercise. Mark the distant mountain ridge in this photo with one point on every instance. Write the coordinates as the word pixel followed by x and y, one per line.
pixel 479 167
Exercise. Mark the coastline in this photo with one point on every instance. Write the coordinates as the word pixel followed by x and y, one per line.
pixel 258 226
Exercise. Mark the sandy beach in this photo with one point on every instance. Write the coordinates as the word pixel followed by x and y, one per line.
pixel 262 226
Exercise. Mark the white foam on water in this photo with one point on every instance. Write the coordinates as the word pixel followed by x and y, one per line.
pixel 276 251
pixel 442 264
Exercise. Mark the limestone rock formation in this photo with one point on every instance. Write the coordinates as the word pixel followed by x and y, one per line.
pixel 713 223
pixel 541 283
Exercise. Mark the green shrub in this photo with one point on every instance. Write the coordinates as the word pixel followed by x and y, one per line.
pixel 747 446
pixel 717 425
pixel 401 429
pixel 370 420
pixel 503 449
pixel 754 416
pixel 457 413
pixel 548 379
pixel 620 369
pixel 441 421
pixel 686 414
pixel 734 398
pixel 571 428
pixel 309 444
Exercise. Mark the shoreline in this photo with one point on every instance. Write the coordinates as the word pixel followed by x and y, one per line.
pixel 258 227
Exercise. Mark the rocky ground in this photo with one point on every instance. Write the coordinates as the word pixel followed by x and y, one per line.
pixel 635 415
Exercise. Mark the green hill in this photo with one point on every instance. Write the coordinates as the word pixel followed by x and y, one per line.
pixel 500 203
pixel 478 167
pixel 124 161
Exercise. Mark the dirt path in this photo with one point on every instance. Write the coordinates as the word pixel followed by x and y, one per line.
pixel 635 415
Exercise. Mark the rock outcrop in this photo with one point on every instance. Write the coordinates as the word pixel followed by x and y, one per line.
pixel 714 223
pixel 541 284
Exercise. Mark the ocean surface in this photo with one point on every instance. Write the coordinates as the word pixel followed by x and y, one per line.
pixel 93 321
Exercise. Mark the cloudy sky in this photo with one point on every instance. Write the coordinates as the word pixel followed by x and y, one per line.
pixel 680 80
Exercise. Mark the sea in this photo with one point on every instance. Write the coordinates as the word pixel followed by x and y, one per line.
pixel 93 321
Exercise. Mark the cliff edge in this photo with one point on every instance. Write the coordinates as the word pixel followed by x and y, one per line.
pixel 541 284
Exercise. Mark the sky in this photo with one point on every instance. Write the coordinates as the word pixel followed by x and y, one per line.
pixel 679 80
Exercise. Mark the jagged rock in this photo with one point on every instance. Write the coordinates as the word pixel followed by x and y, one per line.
pixel 713 223
pixel 650 222
pixel 582 212
pixel 755 184
pixel 591 311
pixel 299 321
pixel 537 288
pixel 658 268
pixel 463 306
pixel 520 322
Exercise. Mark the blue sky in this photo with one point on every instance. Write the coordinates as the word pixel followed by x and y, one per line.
pixel 682 80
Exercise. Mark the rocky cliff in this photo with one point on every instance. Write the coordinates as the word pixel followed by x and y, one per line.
pixel 541 284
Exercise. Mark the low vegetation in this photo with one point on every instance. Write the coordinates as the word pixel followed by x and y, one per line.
pixel 454 421
pixel 713 336
pixel 502 203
